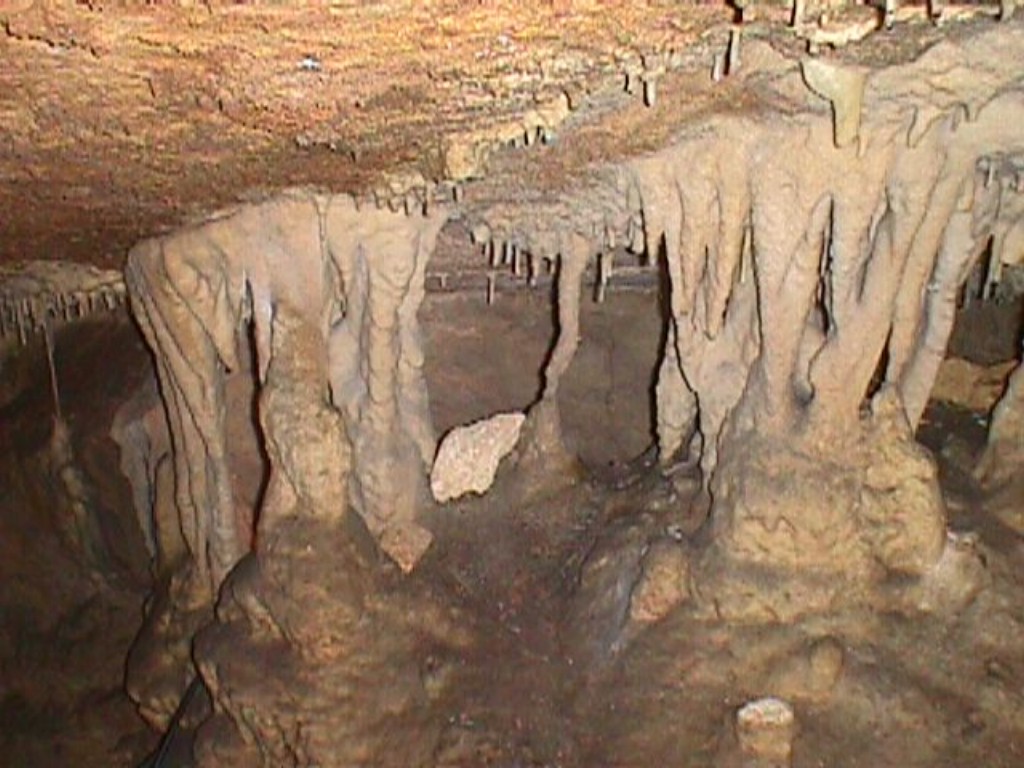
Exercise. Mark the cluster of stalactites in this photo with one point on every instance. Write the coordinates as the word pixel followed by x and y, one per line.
pixel 805 278
pixel 1005 175
pixel 36 295
pixel 345 280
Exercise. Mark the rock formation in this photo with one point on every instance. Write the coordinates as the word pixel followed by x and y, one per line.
pixel 350 638
pixel 814 255
pixel 468 457
pixel 355 278
pixel 342 414
pixel 814 239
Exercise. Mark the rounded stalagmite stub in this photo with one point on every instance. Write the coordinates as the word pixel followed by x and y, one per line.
pixel 826 663
pixel 765 729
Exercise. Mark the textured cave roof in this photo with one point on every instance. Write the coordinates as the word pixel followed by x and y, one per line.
pixel 117 120
pixel 121 120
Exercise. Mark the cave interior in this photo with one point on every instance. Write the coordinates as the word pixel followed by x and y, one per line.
pixel 477 384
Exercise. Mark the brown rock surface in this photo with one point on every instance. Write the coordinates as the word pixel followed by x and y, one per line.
pixel 805 222
pixel 121 120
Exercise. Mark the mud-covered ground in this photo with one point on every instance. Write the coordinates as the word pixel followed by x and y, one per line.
pixel 558 674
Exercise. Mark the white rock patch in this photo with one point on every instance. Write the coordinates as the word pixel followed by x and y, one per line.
pixel 468 458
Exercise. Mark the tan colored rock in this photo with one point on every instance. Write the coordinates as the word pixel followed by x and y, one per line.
pixel 765 730
pixel 405 544
pixel 1004 454
pixel 663 583
pixel 844 87
pixel 899 505
pixel 955 580
pixel 812 673
pixel 468 458
pixel 826 663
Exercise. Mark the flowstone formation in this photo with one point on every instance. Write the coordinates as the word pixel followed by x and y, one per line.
pixel 815 241
pixel 356 277
pixel 342 413
pixel 308 665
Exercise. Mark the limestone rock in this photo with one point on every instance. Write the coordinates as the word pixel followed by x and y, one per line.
pixel 955 580
pixel 1003 456
pixel 900 505
pixel 663 583
pixel 405 543
pixel 765 729
pixel 812 673
pixel 468 458
pixel 844 87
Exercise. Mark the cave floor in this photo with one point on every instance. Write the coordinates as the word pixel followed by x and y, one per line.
pixel 557 673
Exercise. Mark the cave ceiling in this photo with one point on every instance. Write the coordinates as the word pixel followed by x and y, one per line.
pixel 118 121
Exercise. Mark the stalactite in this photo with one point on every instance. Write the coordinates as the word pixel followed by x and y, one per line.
pixel 309 254
pixel 572 263
pixel 543 453
pixel 844 88
pixel 733 54
pixel 58 414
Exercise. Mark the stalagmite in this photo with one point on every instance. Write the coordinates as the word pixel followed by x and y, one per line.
pixel 543 451
pixel 765 729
